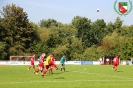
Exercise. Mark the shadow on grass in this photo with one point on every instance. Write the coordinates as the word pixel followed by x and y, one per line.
pixel 59 78
pixel 66 71
pixel 119 71
pixel 62 71
pixel 57 73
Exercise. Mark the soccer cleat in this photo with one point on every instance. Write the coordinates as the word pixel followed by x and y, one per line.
pixel 42 76
pixel 35 72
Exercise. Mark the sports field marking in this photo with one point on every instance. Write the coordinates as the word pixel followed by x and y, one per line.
pixel 82 71
pixel 123 79
pixel 66 81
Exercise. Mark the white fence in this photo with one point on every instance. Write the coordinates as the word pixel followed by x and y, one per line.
pixel 58 62
pixel 36 62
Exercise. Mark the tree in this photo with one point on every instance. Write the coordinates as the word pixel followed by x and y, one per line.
pixel 3 54
pixel 48 23
pixel 126 49
pixel 98 31
pixel 118 24
pixel 54 38
pixel 75 49
pixel 44 35
pixel 130 32
pixel 90 53
pixel 60 50
pixel 125 31
pixel 82 24
pixel 40 48
pixel 18 32
pixel 111 43
pixel 109 28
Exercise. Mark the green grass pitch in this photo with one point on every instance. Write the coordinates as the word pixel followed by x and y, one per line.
pixel 76 76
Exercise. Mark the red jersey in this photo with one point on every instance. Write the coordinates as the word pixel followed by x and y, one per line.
pixel 52 59
pixel 32 59
pixel 42 61
pixel 116 60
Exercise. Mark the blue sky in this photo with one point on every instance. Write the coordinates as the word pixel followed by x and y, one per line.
pixel 65 10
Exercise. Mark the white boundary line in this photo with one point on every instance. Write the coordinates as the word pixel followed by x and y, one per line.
pixel 125 79
pixel 66 81
pixel 83 72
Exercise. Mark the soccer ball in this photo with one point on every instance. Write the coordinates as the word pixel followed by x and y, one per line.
pixel 98 10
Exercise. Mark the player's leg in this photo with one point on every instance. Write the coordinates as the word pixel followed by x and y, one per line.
pixel 33 67
pixel 64 67
pixel 41 65
pixel 45 70
pixel 42 68
pixel 29 67
pixel 61 67
pixel 51 69
pixel 115 67
pixel 55 66
pixel 38 70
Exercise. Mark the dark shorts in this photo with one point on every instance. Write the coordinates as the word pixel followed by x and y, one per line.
pixel 47 66
pixel 62 64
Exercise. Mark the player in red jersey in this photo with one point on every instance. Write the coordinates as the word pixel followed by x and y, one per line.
pixel 32 62
pixel 41 64
pixel 46 65
pixel 52 63
pixel 115 62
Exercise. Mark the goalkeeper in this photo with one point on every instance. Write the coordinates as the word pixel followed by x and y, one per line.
pixel 62 61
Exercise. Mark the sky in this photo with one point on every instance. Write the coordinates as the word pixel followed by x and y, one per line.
pixel 65 10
